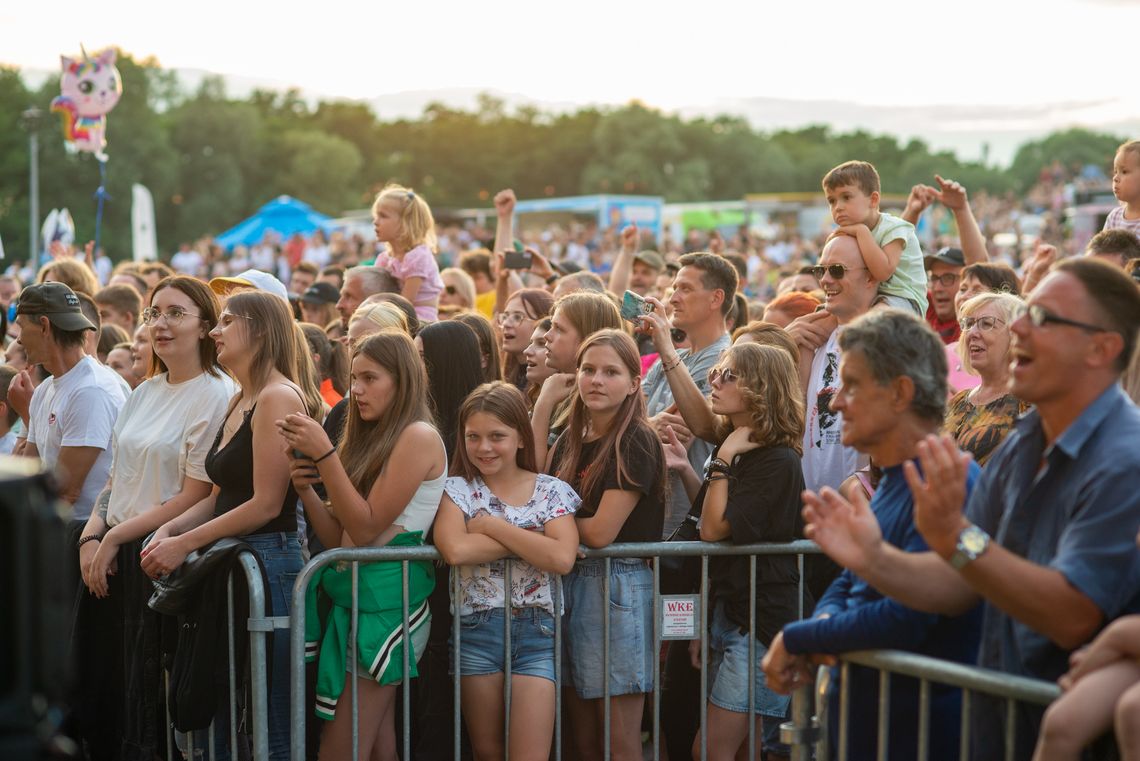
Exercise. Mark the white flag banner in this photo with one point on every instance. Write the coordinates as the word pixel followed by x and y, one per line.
pixel 144 239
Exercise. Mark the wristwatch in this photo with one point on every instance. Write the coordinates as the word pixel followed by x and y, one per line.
pixel 972 542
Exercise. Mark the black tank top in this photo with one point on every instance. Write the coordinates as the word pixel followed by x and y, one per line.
pixel 231 468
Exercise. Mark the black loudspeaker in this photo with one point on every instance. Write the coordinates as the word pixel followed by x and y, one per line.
pixel 35 612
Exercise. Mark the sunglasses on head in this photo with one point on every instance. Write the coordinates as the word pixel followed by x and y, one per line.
pixel 837 271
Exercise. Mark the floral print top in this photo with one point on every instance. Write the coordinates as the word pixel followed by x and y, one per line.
pixel 481 586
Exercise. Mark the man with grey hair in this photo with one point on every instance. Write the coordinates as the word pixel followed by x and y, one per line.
pixel 359 284
pixel 892 396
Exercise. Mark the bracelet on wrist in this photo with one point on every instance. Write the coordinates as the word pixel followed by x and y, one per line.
pixel 89 538
pixel 552 279
pixel 671 366
pixel 326 454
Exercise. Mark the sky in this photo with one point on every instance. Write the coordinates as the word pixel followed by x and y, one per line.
pixel 667 54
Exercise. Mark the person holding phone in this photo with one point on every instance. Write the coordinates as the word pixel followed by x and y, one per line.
pixel 384 482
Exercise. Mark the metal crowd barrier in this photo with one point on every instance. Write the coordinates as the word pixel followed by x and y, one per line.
pixel 259 627
pixel 653 550
pixel 971 679
pixel 805 734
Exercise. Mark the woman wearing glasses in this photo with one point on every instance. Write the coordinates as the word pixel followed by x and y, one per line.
pixel 976 279
pixel 523 311
pixel 979 418
pixel 750 492
pixel 160 442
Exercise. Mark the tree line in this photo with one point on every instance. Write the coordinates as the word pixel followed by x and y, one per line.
pixel 210 160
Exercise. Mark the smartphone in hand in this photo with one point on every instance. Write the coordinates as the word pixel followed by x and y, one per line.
pixel 634 307
pixel 517 260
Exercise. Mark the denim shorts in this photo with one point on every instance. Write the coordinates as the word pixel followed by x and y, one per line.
pixel 630 608
pixel 728 671
pixel 481 643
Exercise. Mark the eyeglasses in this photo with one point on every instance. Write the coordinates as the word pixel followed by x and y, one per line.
pixel 512 318
pixel 837 271
pixel 945 280
pixel 985 324
pixel 173 316
pixel 724 375
pixel 1039 317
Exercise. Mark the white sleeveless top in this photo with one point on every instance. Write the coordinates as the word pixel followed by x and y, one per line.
pixel 421 509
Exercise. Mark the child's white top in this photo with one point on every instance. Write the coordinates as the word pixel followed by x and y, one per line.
pixel 419 262
pixel 1117 221
pixel 481 586
pixel 909 278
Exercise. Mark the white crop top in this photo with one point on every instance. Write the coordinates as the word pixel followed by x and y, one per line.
pixel 421 509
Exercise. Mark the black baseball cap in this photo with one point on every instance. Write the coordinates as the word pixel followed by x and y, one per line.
pixel 947 255
pixel 321 293
pixel 56 302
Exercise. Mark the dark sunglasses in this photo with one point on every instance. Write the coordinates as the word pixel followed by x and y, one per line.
pixel 837 271
pixel 723 375
pixel 450 290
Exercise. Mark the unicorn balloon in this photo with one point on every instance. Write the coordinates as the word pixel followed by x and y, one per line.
pixel 89 89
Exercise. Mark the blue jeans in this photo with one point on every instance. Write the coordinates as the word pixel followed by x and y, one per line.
pixel 281 555
pixel 630 609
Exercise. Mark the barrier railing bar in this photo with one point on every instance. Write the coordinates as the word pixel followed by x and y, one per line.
pixel 507 620
pixel 407 682
pixel 923 719
pixel 354 657
pixel 752 656
pixel 992 682
pixel 964 735
pixel 259 679
pixel 557 670
pixel 844 708
pixel 457 719
pixel 657 686
pixel 606 592
pixel 1010 728
pixel 883 741
pixel 704 603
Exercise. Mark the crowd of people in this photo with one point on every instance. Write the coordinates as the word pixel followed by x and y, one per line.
pixel 952 432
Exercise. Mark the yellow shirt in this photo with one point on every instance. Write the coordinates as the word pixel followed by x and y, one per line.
pixel 485 303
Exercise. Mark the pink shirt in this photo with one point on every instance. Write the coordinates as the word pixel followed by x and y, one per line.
pixel 958 378
pixel 419 262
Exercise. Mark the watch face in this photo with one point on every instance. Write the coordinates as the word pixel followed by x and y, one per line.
pixel 973 541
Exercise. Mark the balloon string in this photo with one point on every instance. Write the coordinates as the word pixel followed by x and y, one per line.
pixel 101 195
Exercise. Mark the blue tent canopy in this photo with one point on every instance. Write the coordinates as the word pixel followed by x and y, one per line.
pixel 283 215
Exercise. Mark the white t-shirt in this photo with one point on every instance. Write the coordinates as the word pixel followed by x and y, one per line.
pixel 78 409
pixel 188 262
pixel 162 436
pixel 826 461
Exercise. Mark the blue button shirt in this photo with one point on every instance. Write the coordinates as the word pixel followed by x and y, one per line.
pixel 860 618
pixel 1074 507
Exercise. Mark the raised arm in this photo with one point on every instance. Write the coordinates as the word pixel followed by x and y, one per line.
pixel 623 262
pixel 690 402
pixel 953 196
